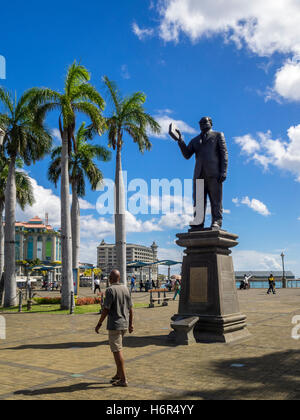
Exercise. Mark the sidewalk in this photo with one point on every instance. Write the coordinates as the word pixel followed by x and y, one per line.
pixel 60 357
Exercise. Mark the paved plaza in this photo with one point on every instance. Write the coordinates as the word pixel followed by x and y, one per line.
pixel 49 356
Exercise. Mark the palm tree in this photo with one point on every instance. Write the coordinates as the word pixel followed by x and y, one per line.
pixel 25 138
pixel 78 97
pixel 81 166
pixel 24 197
pixel 128 117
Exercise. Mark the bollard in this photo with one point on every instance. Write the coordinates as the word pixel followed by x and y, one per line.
pixel 72 304
pixel 20 301
pixel 29 302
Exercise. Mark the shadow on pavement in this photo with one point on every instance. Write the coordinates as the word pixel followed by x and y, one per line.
pixel 262 377
pixel 129 341
pixel 60 346
pixel 84 386
pixel 153 340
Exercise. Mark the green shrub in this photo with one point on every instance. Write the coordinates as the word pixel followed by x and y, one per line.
pixel 48 301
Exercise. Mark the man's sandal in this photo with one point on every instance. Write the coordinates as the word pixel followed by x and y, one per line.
pixel 120 383
pixel 114 379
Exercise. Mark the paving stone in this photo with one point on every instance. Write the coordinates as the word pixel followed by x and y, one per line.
pixel 50 356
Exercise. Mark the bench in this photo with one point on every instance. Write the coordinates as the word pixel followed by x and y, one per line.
pixel 184 330
pixel 159 298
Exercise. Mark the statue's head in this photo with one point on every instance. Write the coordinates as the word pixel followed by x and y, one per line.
pixel 206 124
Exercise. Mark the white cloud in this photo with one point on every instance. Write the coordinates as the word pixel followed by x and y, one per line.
pixel 253 204
pixel 247 144
pixel 165 121
pixel 88 251
pixel 253 260
pixel 45 202
pixel 135 225
pixel 85 205
pixel 175 221
pixel 142 33
pixel 91 227
pixel 283 155
pixel 265 26
pixel 287 81
pixel 174 254
pixel 56 135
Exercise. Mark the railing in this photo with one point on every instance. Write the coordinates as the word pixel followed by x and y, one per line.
pixel 264 284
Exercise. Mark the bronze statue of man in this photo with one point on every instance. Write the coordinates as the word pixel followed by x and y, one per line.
pixel 211 155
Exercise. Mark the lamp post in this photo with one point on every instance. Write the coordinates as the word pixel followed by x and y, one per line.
pixel 284 282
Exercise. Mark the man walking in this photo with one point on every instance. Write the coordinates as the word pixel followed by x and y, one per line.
pixel 118 308
pixel 97 286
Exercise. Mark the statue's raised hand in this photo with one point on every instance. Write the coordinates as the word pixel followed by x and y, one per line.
pixel 175 133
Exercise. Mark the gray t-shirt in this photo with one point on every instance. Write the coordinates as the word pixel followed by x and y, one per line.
pixel 118 303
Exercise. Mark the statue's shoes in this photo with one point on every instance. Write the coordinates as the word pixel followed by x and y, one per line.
pixel 196 228
pixel 216 225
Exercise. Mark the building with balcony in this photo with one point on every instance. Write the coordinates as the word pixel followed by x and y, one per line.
pixel 37 240
pixel 107 260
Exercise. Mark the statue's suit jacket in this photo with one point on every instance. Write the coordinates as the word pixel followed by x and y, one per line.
pixel 211 154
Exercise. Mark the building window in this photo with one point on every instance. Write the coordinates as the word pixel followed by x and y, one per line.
pixel 30 248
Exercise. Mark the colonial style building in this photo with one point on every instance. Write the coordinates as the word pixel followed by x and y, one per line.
pixel 106 257
pixel 37 240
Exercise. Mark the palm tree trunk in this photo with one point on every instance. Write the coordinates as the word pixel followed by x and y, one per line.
pixel 10 285
pixel 75 221
pixel 1 252
pixel 66 238
pixel 120 228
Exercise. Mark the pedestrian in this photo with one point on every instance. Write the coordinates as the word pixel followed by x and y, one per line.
pixel 169 285
pixel 132 284
pixel 177 288
pixel 147 286
pixel 272 285
pixel 153 285
pixel 245 285
pixel 141 285
pixel 118 308
pixel 97 286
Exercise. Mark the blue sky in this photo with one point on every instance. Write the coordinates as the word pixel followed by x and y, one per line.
pixel 238 63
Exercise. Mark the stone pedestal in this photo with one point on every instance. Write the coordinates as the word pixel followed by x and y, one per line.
pixel 208 288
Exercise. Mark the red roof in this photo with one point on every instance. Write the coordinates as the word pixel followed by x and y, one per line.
pixel 35 222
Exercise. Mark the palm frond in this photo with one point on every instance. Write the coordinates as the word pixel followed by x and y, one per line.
pixel 113 93
pixel 87 92
pixel 76 75
pixel 24 188
pixel 6 99
pixel 54 170
pixel 90 111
